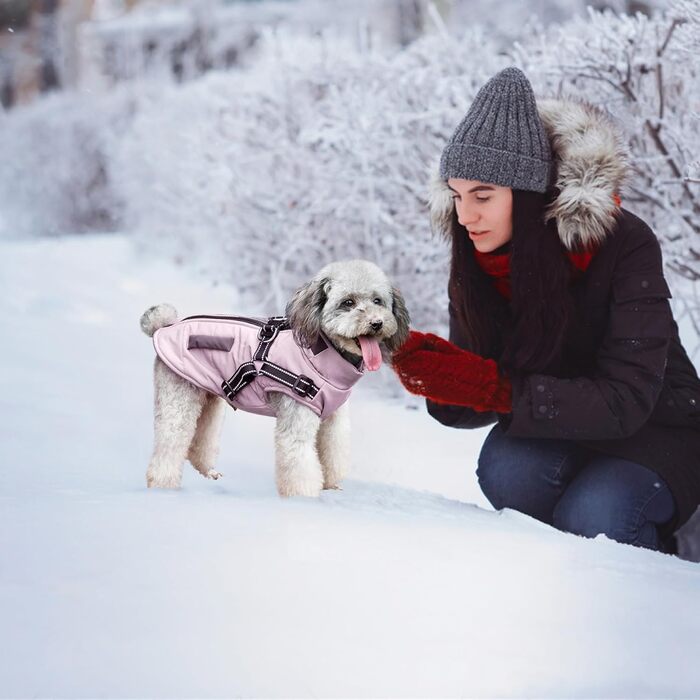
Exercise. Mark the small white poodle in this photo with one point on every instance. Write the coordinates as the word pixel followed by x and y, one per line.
pixel 299 368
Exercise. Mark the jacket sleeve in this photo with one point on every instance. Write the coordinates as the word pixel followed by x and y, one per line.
pixel 459 416
pixel 619 395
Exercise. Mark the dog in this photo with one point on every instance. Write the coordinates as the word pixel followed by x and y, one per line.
pixel 299 368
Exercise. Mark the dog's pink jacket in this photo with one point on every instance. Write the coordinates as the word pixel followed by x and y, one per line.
pixel 229 343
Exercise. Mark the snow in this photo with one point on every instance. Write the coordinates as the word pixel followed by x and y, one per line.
pixel 405 583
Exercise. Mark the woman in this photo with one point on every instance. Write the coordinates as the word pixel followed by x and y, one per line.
pixel 560 327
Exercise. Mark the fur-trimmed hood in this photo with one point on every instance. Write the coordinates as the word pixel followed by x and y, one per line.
pixel 590 166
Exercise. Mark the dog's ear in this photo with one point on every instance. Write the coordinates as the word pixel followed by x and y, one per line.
pixel 304 311
pixel 398 308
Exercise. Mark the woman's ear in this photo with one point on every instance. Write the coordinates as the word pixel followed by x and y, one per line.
pixel 304 311
pixel 398 308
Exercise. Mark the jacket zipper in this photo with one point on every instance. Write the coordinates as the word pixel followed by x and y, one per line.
pixel 245 319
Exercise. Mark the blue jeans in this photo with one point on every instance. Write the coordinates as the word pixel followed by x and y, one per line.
pixel 575 489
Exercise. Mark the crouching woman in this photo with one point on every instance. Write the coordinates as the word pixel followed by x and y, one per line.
pixel 561 332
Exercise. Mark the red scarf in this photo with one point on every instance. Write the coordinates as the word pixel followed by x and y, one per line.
pixel 498 267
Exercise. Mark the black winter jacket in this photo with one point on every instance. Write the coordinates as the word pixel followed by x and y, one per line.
pixel 630 389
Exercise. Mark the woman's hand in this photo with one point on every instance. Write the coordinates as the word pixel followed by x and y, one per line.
pixel 433 367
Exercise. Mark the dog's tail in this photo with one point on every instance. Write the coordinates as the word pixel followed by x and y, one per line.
pixel 157 317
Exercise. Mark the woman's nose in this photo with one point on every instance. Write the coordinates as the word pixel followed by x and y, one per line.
pixel 466 216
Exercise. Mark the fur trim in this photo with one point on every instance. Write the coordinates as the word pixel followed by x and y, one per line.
pixel 440 202
pixel 590 162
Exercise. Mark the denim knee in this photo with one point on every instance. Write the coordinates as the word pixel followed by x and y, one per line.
pixel 493 469
pixel 527 475
pixel 617 498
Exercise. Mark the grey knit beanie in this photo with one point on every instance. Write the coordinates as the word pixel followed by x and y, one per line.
pixel 501 139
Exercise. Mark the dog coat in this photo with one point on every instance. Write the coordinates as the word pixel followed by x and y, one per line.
pixel 243 359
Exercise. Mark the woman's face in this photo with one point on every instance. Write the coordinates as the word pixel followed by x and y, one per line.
pixel 485 210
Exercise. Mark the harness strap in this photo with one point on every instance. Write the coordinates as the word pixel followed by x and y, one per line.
pixel 300 383
pixel 243 376
pixel 267 334
pixel 246 372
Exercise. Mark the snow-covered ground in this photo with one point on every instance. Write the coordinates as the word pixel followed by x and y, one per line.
pixel 406 583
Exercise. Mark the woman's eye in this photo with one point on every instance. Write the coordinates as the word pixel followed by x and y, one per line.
pixel 456 196
pixel 348 303
pixel 483 199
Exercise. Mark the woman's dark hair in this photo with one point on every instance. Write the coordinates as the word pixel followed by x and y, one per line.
pixel 526 335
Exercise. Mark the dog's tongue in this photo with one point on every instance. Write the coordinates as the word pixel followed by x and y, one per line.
pixel 371 354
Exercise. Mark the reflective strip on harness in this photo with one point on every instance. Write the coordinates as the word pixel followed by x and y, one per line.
pixel 299 383
pixel 243 376
pixel 246 373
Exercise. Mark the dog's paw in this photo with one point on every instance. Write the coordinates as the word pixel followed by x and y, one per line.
pixel 311 488
pixel 212 474
pixel 333 477
pixel 332 487
pixel 156 483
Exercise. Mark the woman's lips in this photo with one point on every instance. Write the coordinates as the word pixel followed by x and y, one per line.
pixel 474 234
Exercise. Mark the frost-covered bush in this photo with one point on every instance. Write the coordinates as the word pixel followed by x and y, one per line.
pixel 54 169
pixel 640 70
pixel 322 151
pixel 319 153
pixel 646 73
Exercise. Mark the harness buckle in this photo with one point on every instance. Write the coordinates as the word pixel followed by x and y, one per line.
pixel 298 388
pixel 268 332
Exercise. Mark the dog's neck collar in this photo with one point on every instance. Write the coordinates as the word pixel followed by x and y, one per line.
pixel 347 368
pixel 323 341
pixel 349 357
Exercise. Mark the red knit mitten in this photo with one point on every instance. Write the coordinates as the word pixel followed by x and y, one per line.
pixel 430 366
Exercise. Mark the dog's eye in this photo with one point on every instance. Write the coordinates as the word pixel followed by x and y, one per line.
pixel 377 300
pixel 348 303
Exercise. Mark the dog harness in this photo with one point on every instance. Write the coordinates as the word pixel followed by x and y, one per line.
pixel 243 359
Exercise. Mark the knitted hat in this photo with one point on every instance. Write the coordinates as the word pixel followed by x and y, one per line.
pixel 501 139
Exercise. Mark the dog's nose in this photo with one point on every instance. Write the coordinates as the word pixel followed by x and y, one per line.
pixel 377 325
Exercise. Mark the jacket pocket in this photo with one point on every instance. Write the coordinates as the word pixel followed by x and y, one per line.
pixel 641 309
pixel 641 287
pixel 644 320
pixel 210 342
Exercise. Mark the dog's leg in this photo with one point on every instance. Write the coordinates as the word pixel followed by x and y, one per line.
pixel 177 407
pixel 298 469
pixel 333 443
pixel 204 449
